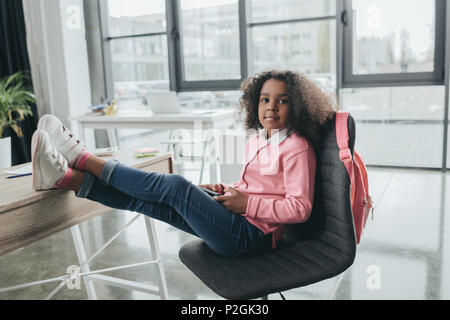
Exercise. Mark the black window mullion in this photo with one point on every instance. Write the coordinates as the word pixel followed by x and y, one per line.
pixel 106 50
pixel 439 40
pixel 173 45
pixel 205 85
pixel 339 49
pixel 243 42
pixel 150 34
pixel 274 22
pixel 445 165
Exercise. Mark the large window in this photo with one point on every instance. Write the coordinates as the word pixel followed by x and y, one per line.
pixel 393 42
pixel 383 43
pixel 393 74
pixel 448 146
pixel 134 17
pixel 307 47
pixel 209 40
pixel 298 35
pixel 384 59
pixel 448 138
pixel 210 45
pixel 269 10
pixel 398 126
pixel 137 41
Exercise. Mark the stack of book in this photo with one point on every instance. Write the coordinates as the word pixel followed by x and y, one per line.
pixel 107 108
pixel 145 152
pixel 98 109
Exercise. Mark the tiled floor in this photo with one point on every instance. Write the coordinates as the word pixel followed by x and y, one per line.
pixel 404 253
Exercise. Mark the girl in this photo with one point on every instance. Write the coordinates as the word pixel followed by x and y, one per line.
pixel 276 185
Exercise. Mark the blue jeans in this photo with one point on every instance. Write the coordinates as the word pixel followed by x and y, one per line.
pixel 175 200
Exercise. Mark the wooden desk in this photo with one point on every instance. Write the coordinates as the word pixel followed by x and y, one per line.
pixel 27 216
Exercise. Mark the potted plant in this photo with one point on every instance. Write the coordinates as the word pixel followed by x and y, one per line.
pixel 15 100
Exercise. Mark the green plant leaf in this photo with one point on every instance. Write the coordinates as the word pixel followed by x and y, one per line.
pixel 15 100
pixel 17 130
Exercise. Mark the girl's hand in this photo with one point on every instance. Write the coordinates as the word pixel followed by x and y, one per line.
pixel 235 201
pixel 213 187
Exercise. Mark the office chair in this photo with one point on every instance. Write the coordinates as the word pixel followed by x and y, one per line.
pixel 321 248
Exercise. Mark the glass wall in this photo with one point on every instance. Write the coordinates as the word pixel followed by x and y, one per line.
pixel 398 126
pixel 210 40
pixel 448 146
pixel 279 37
pixel 140 66
pixel 306 47
pixel 383 43
pixel 136 17
pixel 269 10
pixel 139 53
pixel 448 140
pixel 209 99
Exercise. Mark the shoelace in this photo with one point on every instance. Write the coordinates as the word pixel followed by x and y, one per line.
pixel 58 157
pixel 68 135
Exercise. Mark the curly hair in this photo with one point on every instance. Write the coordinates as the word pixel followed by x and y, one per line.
pixel 309 106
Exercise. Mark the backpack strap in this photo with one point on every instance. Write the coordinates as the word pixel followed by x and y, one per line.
pixel 345 154
pixel 342 136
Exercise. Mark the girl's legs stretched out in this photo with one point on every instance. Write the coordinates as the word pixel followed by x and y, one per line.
pixel 170 198
pixel 59 160
pixel 116 199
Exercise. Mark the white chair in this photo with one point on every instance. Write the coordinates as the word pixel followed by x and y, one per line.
pixel 184 148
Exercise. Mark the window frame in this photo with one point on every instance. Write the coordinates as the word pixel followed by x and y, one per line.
pixel 175 58
pixel 344 63
pixel 106 49
pixel 173 10
pixel 351 80
pixel 290 21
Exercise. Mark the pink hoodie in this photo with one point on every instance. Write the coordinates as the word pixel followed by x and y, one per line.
pixel 278 175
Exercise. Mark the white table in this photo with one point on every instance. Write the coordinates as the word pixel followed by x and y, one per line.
pixel 206 119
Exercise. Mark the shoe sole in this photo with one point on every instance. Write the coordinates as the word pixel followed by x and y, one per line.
pixel 36 147
pixel 36 173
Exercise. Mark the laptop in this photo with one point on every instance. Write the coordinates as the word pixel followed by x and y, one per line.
pixel 163 102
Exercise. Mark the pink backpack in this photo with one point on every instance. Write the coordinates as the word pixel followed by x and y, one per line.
pixel 361 201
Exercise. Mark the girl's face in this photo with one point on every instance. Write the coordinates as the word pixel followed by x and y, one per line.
pixel 273 106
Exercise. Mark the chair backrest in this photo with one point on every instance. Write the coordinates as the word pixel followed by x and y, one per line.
pixel 331 220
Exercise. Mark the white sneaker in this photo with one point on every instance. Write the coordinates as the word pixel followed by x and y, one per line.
pixel 63 140
pixel 48 164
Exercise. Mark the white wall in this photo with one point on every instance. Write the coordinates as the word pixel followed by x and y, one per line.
pixel 58 56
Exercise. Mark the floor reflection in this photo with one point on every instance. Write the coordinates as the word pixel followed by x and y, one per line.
pixel 406 243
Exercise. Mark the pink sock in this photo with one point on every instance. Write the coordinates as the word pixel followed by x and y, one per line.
pixel 80 161
pixel 65 179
